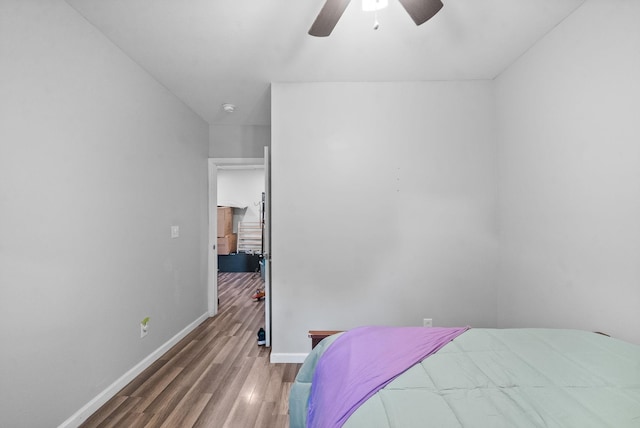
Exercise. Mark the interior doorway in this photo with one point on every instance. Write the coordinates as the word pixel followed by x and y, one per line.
pixel 219 168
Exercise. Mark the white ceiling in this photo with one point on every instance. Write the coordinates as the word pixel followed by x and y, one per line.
pixel 210 52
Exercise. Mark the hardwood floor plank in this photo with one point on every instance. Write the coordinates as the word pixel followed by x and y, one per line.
pixel 152 389
pixel 115 418
pixel 283 402
pixel 247 406
pixel 135 420
pixel 187 411
pixel 265 416
pixel 290 372
pixel 142 378
pixel 273 392
pixel 164 403
pixel 107 409
pixel 210 381
pixel 218 409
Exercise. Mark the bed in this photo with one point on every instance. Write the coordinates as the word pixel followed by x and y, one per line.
pixel 478 378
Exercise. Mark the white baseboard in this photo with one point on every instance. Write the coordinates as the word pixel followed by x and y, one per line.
pixel 92 406
pixel 287 358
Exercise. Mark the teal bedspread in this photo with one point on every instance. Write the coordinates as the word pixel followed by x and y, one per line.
pixel 503 378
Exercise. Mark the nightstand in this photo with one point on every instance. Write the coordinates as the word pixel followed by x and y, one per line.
pixel 317 335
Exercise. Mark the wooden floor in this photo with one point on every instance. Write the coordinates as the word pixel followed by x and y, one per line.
pixel 217 376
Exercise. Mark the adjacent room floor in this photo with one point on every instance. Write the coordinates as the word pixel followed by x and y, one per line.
pixel 217 376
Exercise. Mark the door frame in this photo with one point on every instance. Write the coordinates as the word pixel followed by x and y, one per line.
pixel 266 254
pixel 212 252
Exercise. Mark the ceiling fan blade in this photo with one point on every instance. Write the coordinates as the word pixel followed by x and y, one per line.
pixel 421 10
pixel 328 17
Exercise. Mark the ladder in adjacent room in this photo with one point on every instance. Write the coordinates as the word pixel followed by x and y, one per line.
pixel 250 237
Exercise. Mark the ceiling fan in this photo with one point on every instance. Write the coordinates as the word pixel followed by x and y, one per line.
pixel 419 10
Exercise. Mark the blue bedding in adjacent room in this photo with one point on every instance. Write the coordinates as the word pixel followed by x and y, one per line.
pixel 501 378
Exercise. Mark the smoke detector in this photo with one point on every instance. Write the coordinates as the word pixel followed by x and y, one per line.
pixel 228 108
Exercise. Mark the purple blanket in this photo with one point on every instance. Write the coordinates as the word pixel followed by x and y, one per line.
pixel 364 360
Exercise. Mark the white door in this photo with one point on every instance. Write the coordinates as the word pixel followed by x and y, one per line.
pixel 212 259
pixel 267 247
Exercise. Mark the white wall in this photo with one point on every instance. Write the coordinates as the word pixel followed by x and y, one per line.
pixel 97 161
pixel 243 187
pixel 569 178
pixel 383 206
pixel 238 141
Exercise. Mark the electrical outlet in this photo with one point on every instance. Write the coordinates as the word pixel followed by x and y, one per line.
pixel 144 327
pixel 427 322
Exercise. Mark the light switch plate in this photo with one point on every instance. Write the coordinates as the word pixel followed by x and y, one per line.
pixel 175 231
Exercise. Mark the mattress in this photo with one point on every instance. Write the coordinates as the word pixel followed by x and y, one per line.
pixel 502 378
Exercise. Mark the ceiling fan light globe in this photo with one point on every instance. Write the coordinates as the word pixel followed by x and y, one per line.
pixel 373 5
